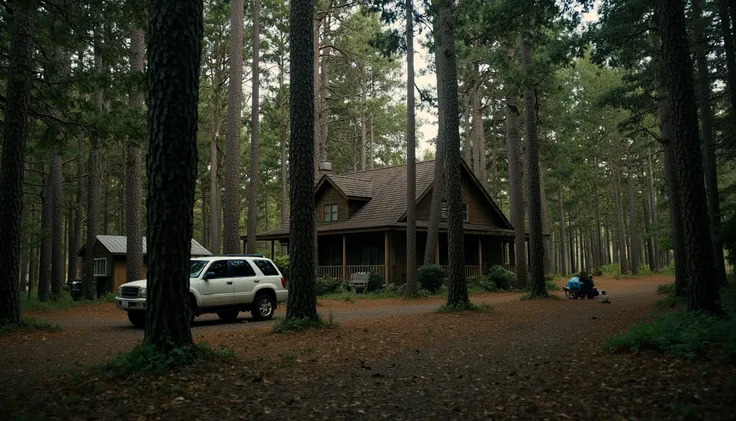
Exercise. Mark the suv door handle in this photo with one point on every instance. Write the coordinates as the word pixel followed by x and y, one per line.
pixel 256 280
pixel 229 282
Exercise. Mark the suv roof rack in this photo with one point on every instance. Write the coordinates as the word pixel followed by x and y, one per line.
pixel 238 255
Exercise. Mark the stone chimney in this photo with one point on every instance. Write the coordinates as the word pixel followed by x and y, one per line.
pixel 325 167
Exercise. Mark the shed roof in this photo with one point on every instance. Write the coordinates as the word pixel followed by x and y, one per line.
pixel 118 245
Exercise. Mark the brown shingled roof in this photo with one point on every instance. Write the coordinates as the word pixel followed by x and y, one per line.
pixel 386 188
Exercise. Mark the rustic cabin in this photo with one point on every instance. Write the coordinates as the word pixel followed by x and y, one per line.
pixel 361 223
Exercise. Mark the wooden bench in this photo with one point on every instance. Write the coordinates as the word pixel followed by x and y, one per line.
pixel 359 280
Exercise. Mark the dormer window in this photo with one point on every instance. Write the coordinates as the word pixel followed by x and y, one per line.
pixel 330 212
pixel 465 211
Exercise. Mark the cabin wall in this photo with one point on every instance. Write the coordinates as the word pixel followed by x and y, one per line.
pixel 328 195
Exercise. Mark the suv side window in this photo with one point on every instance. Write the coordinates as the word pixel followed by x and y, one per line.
pixel 219 268
pixel 241 269
pixel 266 267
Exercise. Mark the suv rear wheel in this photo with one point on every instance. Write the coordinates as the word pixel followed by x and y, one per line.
pixel 228 315
pixel 263 307
pixel 138 318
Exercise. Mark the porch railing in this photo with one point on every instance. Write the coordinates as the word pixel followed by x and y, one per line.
pixel 470 271
pixel 336 272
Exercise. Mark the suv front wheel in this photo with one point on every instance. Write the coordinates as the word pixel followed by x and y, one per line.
pixel 138 318
pixel 263 307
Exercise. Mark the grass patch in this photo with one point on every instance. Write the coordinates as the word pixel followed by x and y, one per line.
pixel 285 325
pixel 684 334
pixel 455 308
pixel 666 289
pixel 28 324
pixel 147 359
pixel 65 301
pixel 352 296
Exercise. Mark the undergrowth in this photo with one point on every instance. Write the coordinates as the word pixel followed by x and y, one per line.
pixel 684 334
pixel 28 324
pixel 351 296
pixel 145 359
pixel 64 301
pixel 666 289
pixel 285 325
pixel 463 307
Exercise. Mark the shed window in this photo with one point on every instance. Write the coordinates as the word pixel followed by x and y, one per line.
pixel 465 211
pixel 330 213
pixel 100 267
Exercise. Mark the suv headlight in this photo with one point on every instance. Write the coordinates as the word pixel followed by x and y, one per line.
pixel 142 293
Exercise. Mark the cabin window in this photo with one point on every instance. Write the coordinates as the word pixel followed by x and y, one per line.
pixel 369 255
pixel 100 267
pixel 465 211
pixel 330 213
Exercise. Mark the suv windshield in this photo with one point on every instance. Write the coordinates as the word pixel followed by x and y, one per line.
pixel 195 267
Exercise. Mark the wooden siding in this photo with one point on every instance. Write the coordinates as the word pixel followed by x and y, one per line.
pixel 479 210
pixel 328 195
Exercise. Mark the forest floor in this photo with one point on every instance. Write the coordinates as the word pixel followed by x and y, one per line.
pixel 389 359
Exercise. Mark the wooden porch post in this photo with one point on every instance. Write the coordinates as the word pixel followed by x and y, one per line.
pixel 480 255
pixel 344 257
pixel 385 255
pixel 437 252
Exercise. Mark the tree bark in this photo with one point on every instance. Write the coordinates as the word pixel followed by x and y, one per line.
pixel 133 189
pixel 649 245
pixel 214 197
pixel 255 131
pixel 468 150
pixel 479 141
pixel 655 221
pixel 447 100
pixel 231 237
pixel 632 219
pixel 536 242
pixel 173 93
pixel 302 302
pixel 708 147
pixel 44 266
pixel 620 229
pixel 57 223
pixel 516 188
pixel 545 225
pixel 729 45
pixel 15 134
pixel 317 93
pixel 701 273
pixel 284 149
pixel 411 169
pixel 598 253
pixel 76 236
pixel 563 260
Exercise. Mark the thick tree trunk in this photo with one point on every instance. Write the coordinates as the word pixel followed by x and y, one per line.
pixel 214 197
pixel 598 253
pixel 173 93
pixel 372 157
pixel 324 89
pixel 255 131
pixel 57 224
pixel 479 141
pixel 701 273
pixel 673 195
pixel 516 188
pixel 411 170
pixel 447 100
pixel 76 236
pixel 468 149
pixel 536 240
pixel 363 139
pixel 44 266
pixel 545 225
pixel 607 252
pixel 729 44
pixel 15 134
pixel 563 260
pixel 317 93
pixel 708 147
pixel 620 229
pixel 231 231
pixel 632 220
pixel 649 241
pixel 284 151
pixel 133 189
pixel 655 221
pixel 302 283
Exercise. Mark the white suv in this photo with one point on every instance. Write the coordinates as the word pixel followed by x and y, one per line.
pixel 225 285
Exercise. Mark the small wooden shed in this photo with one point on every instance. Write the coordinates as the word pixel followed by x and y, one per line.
pixel 110 254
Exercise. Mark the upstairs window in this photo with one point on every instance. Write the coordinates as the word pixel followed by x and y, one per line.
pixel 465 211
pixel 330 213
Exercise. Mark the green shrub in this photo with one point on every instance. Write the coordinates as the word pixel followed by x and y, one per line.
pixel 282 263
pixel 145 358
pixel 430 278
pixel 488 284
pixel 666 289
pixel 668 269
pixel 326 285
pixel 375 282
pixel 684 334
pixel 501 277
pixel 551 286
pixel 611 269
pixel 597 272
pixel 645 270
pixel 27 324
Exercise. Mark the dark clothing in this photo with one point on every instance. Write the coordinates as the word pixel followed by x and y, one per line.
pixel 587 287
